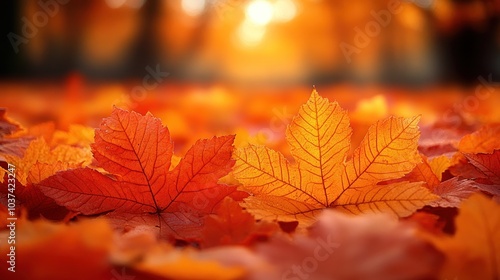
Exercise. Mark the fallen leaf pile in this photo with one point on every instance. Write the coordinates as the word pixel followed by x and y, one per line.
pixel 116 203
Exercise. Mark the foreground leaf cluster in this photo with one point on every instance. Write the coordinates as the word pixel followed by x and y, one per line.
pixel 119 197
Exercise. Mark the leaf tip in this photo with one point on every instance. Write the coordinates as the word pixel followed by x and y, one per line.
pixel 416 119
pixel 314 91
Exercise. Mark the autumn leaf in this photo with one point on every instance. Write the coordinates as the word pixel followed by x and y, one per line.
pixel 439 165
pixel 7 126
pixel 38 163
pixel 30 169
pixel 485 169
pixel 439 139
pixel 472 253
pixel 319 138
pixel 140 190
pixel 487 164
pixel 232 225
pixel 479 158
pixel 482 141
pixel 10 142
pixel 339 246
pixel 146 257
pixel 485 140
pixel 451 192
pixel 429 172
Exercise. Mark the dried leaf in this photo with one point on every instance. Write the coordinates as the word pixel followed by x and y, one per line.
pixel 141 190
pixel 487 164
pixel 39 153
pixel 319 138
pixel 12 143
pixel 426 172
pixel 7 126
pixel 232 225
pixel 453 192
pixel 439 165
pixel 38 163
pixel 485 140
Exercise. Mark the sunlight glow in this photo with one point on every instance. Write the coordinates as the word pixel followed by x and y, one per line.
pixel 284 10
pixel 194 8
pixel 251 34
pixel 259 12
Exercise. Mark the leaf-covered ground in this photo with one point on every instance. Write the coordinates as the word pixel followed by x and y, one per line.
pixel 329 194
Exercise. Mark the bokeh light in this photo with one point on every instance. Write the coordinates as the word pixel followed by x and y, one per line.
pixel 284 10
pixel 259 12
pixel 193 7
pixel 250 34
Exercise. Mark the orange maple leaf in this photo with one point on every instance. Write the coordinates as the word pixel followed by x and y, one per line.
pixel 140 190
pixel 40 162
pixel 319 137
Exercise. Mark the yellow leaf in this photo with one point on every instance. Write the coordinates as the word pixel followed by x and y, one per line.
pixel 31 165
pixel 439 165
pixel 319 137
pixel 388 151
pixel 430 172
pixel 401 198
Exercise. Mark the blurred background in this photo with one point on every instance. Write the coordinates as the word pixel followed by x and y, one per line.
pixel 254 41
pixel 69 61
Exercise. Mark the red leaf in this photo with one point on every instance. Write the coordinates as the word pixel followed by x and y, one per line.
pixel 487 164
pixel 141 190
pixel 453 192
pixel 11 142
pixel 233 225
pixel 7 126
